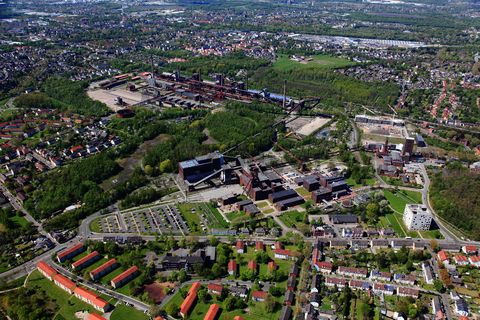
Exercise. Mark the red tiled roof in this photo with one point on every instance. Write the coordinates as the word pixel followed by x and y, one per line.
pixel 272 265
pixel 232 265
pixel 324 265
pixel 252 265
pixel 70 250
pixel 283 252
pixel 125 274
pixel 64 281
pixel 259 245
pixel 194 288
pixel 259 294
pixel 92 297
pixel 188 303
pixel 442 255
pixel 212 312
pixel 104 266
pixel 94 316
pixel 85 259
pixel 474 259
pixel 240 244
pixel 470 248
pixel 215 287
pixel 45 267
pixel 237 318
pixel 461 258
pixel 278 245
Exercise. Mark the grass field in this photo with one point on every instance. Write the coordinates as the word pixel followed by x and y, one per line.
pixel 19 220
pixel 291 218
pixel 302 191
pixel 123 312
pixel 283 63
pixel 399 200
pixel 67 304
pixel 95 225
pixel 353 184
pixel 215 219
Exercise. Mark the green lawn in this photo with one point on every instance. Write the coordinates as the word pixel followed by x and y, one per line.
pixel 67 304
pixel 291 218
pixel 19 220
pixel 392 222
pixel 302 191
pixel 284 64
pixel 399 200
pixel 431 234
pixel 236 215
pixel 122 312
pixel 262 204
pixel 95 225
pixel 367 182
pixel 192 218
pixel 211 213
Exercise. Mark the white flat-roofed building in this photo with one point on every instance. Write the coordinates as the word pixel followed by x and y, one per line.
pixel 417 217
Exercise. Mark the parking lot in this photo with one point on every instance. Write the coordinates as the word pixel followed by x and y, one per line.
pixel 158 219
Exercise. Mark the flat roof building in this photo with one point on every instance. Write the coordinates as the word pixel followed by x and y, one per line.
pixel 417 217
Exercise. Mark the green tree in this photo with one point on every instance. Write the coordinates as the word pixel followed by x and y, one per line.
pixel 148 170
pixel 172 309
pixel 166 166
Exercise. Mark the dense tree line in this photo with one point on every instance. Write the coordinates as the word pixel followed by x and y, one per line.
pixel 65 95
pixel 144 196
pixel 334 89
pixel 10 230
pixel 228 65
pixel 454 196
pixel 238 122
pixel 77 182
pixel 28 304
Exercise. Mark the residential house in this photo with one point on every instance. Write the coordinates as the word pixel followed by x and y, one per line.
pixel 352 272
pixel 232 267
pixel 69 253
pixel 240 246
pixel 239 291
pixel 104 269
pixel 461 260
pixel 408 292
pixel 92 299
pixel 215 288
pixel 64 283
pixel 427 272
pixel 212 312
pixel 381 288
pixel 124 277
pixel 379 275
pixel 284 254
pixel 84 262
pixel 47 271
pixel 289 297
pixel 259 296
pixel 461 308
pixel 339 282
pixel 469 249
